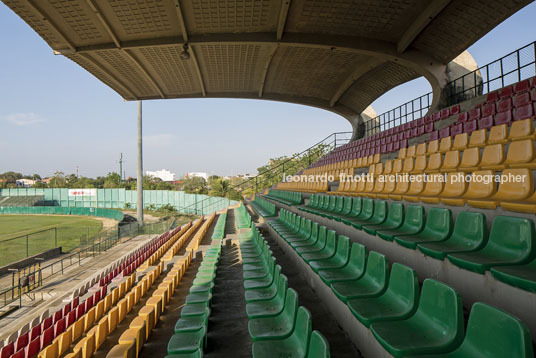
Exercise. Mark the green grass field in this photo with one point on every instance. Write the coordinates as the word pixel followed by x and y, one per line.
pixel 68 231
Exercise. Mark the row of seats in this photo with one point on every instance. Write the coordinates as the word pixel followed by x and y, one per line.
pixel 284 197
pixel 342 165
pixel 242 218
pixel 190 331
pixel 277 326
pixel 508 251
pixel 263 207
pixel 219 229
pixel 404 320
pixel 131 341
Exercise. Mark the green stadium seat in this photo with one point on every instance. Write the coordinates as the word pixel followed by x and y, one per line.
pixel 318 346
pixel 354 268
pixel 262 294
pixel 197 354
pixel 521 276
pixel 367 210
pixel 399 301
pixel 438 228
pixel 436 327
pixel 346 210
pixel 328 250
pixel 379 216
pixel 338 260
pixel 285 197
pixel 262 282
pixel 356 210
pixel 192 323
pixel 469 234
pixel 371 284
pixel 395 217
pixel 263 207
pixel 413 224
pixel 279 326
pixel 294 346
pixel 186 342
pixel 271 307
pixel 511 242
pixel 493 333
pixel 317 246
pixel 310 241
pixel 265 269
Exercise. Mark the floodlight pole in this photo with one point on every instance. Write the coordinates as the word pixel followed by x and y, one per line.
pixel 139 184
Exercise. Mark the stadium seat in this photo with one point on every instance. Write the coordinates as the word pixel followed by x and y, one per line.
pixel 522 99
pixel 438 228
pixel 434 163
pixel 488 109
pixel 504 105
pixel 522 86
pixel 470 160
pixel 445 144
pixel 371 284
pixel 523 112
pixel 521 154
pixel 461 141
pixel 521 276
pixel 413 224
pixel 521 130
pixel 503 117
pixel 354 268
pixel 485 123
pixel 271 307
pixel 451 161
pixel 506 92
pixel 338 260
pixel 493 157
pixel 399 301
pixel 512 241
pixel 395 218
pixel 436 327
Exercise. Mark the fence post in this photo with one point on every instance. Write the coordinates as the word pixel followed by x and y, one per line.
pixel 55 236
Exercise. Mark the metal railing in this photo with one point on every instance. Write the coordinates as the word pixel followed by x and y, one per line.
pixel 511 68
pixel 24 280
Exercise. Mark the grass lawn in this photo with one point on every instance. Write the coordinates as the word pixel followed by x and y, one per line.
pixel 69 230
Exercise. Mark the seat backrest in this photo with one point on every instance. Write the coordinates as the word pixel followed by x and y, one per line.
pixel 303 328
pixel 339 203
pixel 495 333
pixel 331 242
pixel 380 209
pixel 420 163
pixel 451 160
pixel 470 158
pixel 356 206
pixel 358 258
pixel 421 149
pixel 409 163
pixel 415 217
pixel 445 145
pixel 520 129
pixel 434 162
pixel 471 229
pixel 497 134
pixel 493 154
pixel 433 146
pixel 439 222
pixel 460 141
pixel 318 346
pixel 397 166
pixel 441 306
pixel 395 213
pixel 282 286
pixel 520 152
pixel 377 267
pixel 404 286
pixel 368 208
pixel 512 238
pixel 291 304
pixel 343 248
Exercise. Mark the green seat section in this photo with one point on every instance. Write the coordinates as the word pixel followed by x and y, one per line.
pixel 380 215
pixel 395 217
pixel 436 327
pixel 317 246
pixel 263 207
pixel 357 204
pixel 271 307
pixel 313 237
pixel 326 252
pixel 413 224
pixel 198 297
pixel 373 282
pixel 470 233
pixel 295 346
pixel 318 346
pixel 336 261
pixel 268 269
pixel 186 342
pixel 353 270
pixel 262 294
pixel 262 282
pixel 366 213
pixel 511 242
pixel 192 323
pixel 242 217
pixel 339 206
pixel 194 309
pixel 398 302
pixel 285 197
pixel 521 276
pixel 438 228
pixel 493 333
pixel 219 228
pixel 346 209
pixel 197 354
pixel 279 326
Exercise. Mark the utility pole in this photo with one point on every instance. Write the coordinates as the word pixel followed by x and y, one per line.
pixel 139 184
pixel 121 166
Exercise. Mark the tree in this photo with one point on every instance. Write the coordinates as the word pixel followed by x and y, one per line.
pixel 220 188
pixel 194 185
pixel 112 180
pixel 58 180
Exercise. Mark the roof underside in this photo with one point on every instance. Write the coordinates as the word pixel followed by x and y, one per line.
pixel 339 55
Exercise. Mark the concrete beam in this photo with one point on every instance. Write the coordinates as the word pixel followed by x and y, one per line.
pixel 285 4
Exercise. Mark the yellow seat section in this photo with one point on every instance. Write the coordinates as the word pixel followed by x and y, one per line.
pixel 434 163
pixel 445 145
pixel 433 147
pixel 107 302
pixel 461 141
pixel 51 351
pixel 397 166
pixel 451 162
pixel 87 344
pixel 64 341
pixel 402 153
pixel 113 319
pixel 420 164
pixel 470 160
pixel 402 186
pixel 360 188
pixel 415 189
pixel 378 169
pixel 520 130
pixel 135 335
pixel 369 186
pixel 148 314
pixel 141 322
pixel 171 282
pixel 521 154
pixel 122 305
pixel 478 138
pixel 421 149
pixel 492 157
pixel 99 309
pixel 163 292
pixel 388 188
pixel 498 134
pixel 454 189
pixel 526 205
pixel 352 188
pixel 101 332
pixel 409 164
pixel 78 329
pixel 115 295
pixel 131 300
pixel 432 189
pixel 411 151
pixel 376 158
pixel 388 169
pixel 89 319
pixel 512 189
pixel 378 188
pixel 126 350
pixel 480 190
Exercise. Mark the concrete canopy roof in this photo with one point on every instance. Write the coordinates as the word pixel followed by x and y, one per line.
pixel 339 55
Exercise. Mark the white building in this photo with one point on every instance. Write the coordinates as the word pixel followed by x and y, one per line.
pixel 163 174
pixel 25 183
pixel 199 174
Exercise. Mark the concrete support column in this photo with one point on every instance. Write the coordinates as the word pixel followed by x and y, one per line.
pixel 139 184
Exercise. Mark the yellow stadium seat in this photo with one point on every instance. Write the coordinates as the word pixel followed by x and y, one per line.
pixel 421 149
pixel 451 162
pixel 376 158
pixel 75 354
pixel 388 167
pixel 136 335
pixel 126 350
pixel 445 145
pixel 64 341
pixel 479 192
pixel 397 166
pixel 478 138
pixel 520 130
pixel 148 314
pixel 498 134
pixel 461 141
pixel 409 164
pixel 141 323
pixel 99 309
pixel 122 288
pixel 107 302
pixel 369 186
pixel 388 188
pixel 433 147
pixel 101 332
pixel 415 188
pixel 378 169
pixel 521 154
pixel 170 283
pixel 411 151
pixel 78 328
pixel 402 153
pixel 130 297
pixel 113 319
pixel 51 351
pixel 89 319
pixel 432 189
pixel 163 293
pixel 122 306
pixel 87 345
pixel 115 295
pixel 470 159
pixel 402 186
pixel 515 191
pixel 492 157
pixel 378 188
pixel 420 164
pixel 434 163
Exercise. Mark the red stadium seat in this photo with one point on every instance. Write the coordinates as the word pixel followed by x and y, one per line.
pixel 434 135
pixel 504 105
pixel 485 123
pixel 488 109
pixel 420 122
pixel 46 324
pixel 47 337
pixel 404 143
pixel 67 308
pixel 522 86
pixel 454 109
pixel 75 302
pixel 475 114
pixel 35 332
pixel 469 126
pixel 19 354
pixel 389 147
pixel 503 117
pixel 456 129
pixel 71 318
pixel 428 127
pixel 463 117
pixel 7 350
pixel 492 97
pixel 524 112
pixel 33 348
pixel 420 130
pixel 436 116
pixel 522 99
pixel 57 316
pixel 396 146
pixel 444 132
pixel 534 82
pixel 59 327
pixel 507 91
pixel 22 341
pixel 445 112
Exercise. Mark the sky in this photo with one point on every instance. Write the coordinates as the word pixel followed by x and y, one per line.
pixel 55 116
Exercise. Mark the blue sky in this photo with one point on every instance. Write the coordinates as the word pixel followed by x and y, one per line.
pixel 55 116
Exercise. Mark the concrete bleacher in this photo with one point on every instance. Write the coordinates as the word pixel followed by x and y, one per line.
pixel 30 200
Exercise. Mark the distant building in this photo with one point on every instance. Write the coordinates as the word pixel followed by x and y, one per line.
pixel 47 180
pixel 245 176
pixel 25 183
pixel 163 174
pixel 200 175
